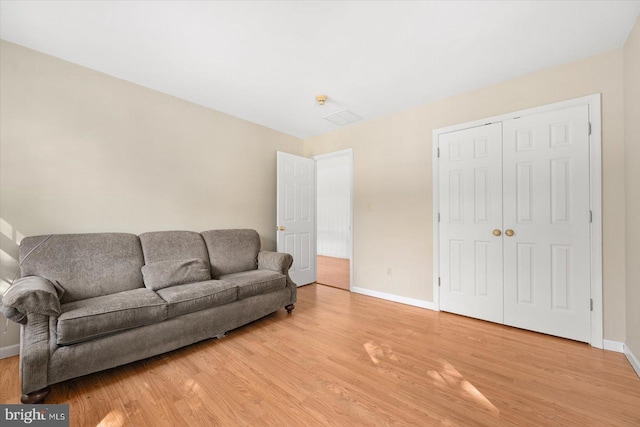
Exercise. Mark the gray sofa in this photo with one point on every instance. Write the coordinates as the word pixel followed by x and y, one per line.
pixel 89 302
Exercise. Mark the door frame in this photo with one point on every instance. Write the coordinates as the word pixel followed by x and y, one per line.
pixel 595 193
pixel 348 152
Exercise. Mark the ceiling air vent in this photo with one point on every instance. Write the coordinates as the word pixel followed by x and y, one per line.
pixel 343 117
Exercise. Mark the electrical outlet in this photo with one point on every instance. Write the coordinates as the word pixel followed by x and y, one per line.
pixel 389 271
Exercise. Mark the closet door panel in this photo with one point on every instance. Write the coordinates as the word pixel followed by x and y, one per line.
pixel 546 205
pixel 470 175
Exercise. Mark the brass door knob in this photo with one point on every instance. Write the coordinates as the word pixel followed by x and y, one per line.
pixel 280 228
pixel 509 232
pixel 497 232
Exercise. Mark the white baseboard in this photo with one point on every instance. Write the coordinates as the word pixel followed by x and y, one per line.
pixel 395 298
pixel 616 346
pixel 9 351
pixel 635 363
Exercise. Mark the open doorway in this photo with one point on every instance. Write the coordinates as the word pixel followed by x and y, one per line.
pixel 334 207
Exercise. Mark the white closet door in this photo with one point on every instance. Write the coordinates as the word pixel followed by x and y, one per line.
pixel 470 176
pixel 546 205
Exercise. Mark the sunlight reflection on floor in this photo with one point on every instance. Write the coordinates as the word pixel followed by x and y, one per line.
pixel 447 378
pixel 377 352
pixel 450 377
pixel 114 418
pixel 193 386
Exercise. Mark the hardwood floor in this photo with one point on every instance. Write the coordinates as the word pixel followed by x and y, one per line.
pixel 334 272
pixel 344 359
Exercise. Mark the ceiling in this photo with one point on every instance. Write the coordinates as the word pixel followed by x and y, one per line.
pixel 266 61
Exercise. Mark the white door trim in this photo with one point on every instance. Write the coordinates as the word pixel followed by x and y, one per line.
pixel 595 173
pixel 346 152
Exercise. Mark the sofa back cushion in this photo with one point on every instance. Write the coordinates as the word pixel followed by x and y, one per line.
pixel 232 251
pixel 173 245
pixel 174 258
pixel 173 272
pixel 85 265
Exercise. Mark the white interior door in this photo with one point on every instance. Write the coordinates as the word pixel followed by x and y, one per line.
pixel 296 215
pixel 546 205
pixel 470 176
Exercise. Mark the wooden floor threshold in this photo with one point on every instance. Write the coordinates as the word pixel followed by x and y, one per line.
pixel 334 272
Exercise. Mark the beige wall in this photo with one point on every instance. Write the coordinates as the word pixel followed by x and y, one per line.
pixel 81 151
pixel 84 152
pixel 392 173
pixel 632 178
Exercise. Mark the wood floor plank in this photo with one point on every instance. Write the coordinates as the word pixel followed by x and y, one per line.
pixel 334 272
pixel 348 359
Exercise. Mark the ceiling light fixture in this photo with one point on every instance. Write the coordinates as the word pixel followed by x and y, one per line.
pixel 321 99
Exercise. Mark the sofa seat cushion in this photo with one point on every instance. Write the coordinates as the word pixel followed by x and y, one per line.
pixel 184 299
pixel 256 282
pixel 93 317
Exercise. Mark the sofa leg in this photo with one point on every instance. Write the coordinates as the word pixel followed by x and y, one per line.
pixel 289 308
pixel 35 396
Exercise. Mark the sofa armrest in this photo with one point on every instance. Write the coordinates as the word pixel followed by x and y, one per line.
pixel 31 295
pixel 280 262
pixel 276 261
